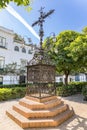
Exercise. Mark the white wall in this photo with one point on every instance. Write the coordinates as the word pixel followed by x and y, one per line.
pixel 71 78
pixel 8 34
pixel 10 54
pixel 10 79
pixel 82 77
pixel 18 56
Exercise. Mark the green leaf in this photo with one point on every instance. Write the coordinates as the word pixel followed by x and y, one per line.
pixel 28 9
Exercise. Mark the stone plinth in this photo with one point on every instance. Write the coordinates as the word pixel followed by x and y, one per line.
pixel 32 113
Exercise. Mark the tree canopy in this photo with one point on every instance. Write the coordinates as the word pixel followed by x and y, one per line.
pixel 79 52
pixel 3 3
pixel 58 52
pixel 84 30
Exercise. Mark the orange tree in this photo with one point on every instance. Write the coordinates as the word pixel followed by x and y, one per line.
pixel 65 64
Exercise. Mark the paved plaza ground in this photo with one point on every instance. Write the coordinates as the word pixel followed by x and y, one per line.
pixel 77 122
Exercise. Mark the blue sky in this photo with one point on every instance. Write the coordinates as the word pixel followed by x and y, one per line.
pixel 68 15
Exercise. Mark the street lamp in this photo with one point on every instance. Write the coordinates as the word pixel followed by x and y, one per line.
pixel 53 36
pixel 51 39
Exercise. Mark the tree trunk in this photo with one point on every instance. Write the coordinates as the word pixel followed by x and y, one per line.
pixel 66 77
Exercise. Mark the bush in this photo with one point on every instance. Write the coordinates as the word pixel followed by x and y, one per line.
pixel 11 93
pixel 84 92
pixel 71 88
pixel 5 94
pixel 58 84
pixel 66 90
pixel 12 85
pixel 78 85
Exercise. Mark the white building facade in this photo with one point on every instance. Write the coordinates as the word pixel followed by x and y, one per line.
pixel 12 51
pixel 81 77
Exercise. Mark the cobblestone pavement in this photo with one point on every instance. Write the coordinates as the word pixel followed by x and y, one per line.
pixel 77 122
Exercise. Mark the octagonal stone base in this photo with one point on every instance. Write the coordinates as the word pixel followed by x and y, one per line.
pixel 32 112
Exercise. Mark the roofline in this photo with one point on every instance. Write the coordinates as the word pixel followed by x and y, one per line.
pixel 7 30
pixel 26 44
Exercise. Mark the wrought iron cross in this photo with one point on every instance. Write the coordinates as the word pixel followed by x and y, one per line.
pixel 40 21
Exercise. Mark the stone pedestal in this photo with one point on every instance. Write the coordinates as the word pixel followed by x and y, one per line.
pixel 32 112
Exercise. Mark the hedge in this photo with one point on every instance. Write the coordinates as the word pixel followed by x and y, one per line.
pixel 78 85
pixel 12 85
pixel 12 93
pixel 62 90
pixel 71 88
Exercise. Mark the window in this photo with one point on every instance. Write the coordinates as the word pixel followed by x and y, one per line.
pixel 16 48
pixel 61 79
pixel 77 78
pixel 29 52
pixel 23 50
pixel 2 61
pixel 2 42
pixel 86 77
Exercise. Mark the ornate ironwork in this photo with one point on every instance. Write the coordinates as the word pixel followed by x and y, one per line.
pixel 41 73
pixel 40 22
pixel 41 90
pixel 40 57
pixel 40 70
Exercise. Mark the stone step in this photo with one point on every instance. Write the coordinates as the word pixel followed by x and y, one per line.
pixel 34 105
pixel 28 113
pixel 19 119
pixel 45 99
pixel 33 123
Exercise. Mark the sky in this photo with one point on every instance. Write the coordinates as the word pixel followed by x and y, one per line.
pixel 68 15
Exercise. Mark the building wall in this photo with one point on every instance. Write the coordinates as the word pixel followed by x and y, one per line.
pixel 9 54
pixel 6 52
pixel 81 77
pixel 10 79
pixel 62 78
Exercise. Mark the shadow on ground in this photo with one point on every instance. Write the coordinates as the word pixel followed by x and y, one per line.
pixel 74 123
pixel 76 98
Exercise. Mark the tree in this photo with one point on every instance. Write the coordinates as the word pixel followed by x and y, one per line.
pixel 84 30
pixel 3 3
pixel 10 68
pixel 79 52
pixel 58 52
pixel 13 68
pixel 18 38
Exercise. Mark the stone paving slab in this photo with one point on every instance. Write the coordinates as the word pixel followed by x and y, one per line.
pixel 77 122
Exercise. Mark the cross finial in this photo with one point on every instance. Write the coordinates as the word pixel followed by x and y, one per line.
pixel 40 21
